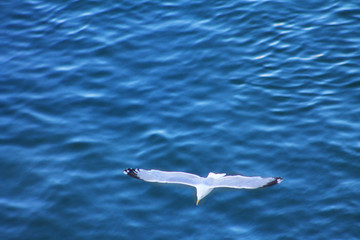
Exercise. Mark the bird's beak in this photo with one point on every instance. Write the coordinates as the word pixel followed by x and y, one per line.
pixel 197 202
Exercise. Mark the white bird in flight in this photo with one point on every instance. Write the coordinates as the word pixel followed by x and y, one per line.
pixel 203 185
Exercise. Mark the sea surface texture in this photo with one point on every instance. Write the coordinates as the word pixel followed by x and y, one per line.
pixel 259 88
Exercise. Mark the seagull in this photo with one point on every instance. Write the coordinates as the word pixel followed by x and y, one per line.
pixel 203 185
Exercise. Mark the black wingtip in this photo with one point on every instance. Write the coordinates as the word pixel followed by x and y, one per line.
pixel 275 181
pixel 132 172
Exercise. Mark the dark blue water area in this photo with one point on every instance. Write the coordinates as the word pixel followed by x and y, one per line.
pixel 89 88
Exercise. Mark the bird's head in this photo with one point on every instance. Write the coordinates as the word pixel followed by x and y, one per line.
pixel 198 198
pixel 201 192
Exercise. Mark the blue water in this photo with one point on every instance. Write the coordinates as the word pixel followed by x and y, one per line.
pixel 88 88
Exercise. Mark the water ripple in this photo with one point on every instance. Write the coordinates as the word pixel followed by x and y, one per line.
pixel 251 87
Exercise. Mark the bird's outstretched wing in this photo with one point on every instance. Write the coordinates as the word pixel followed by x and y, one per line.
pixel 164 176
pixel 243 182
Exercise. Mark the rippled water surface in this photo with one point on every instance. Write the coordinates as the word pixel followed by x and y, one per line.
pixel 88 88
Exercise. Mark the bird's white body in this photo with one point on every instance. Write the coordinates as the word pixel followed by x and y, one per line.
pixel 202 190
pixel 203 185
